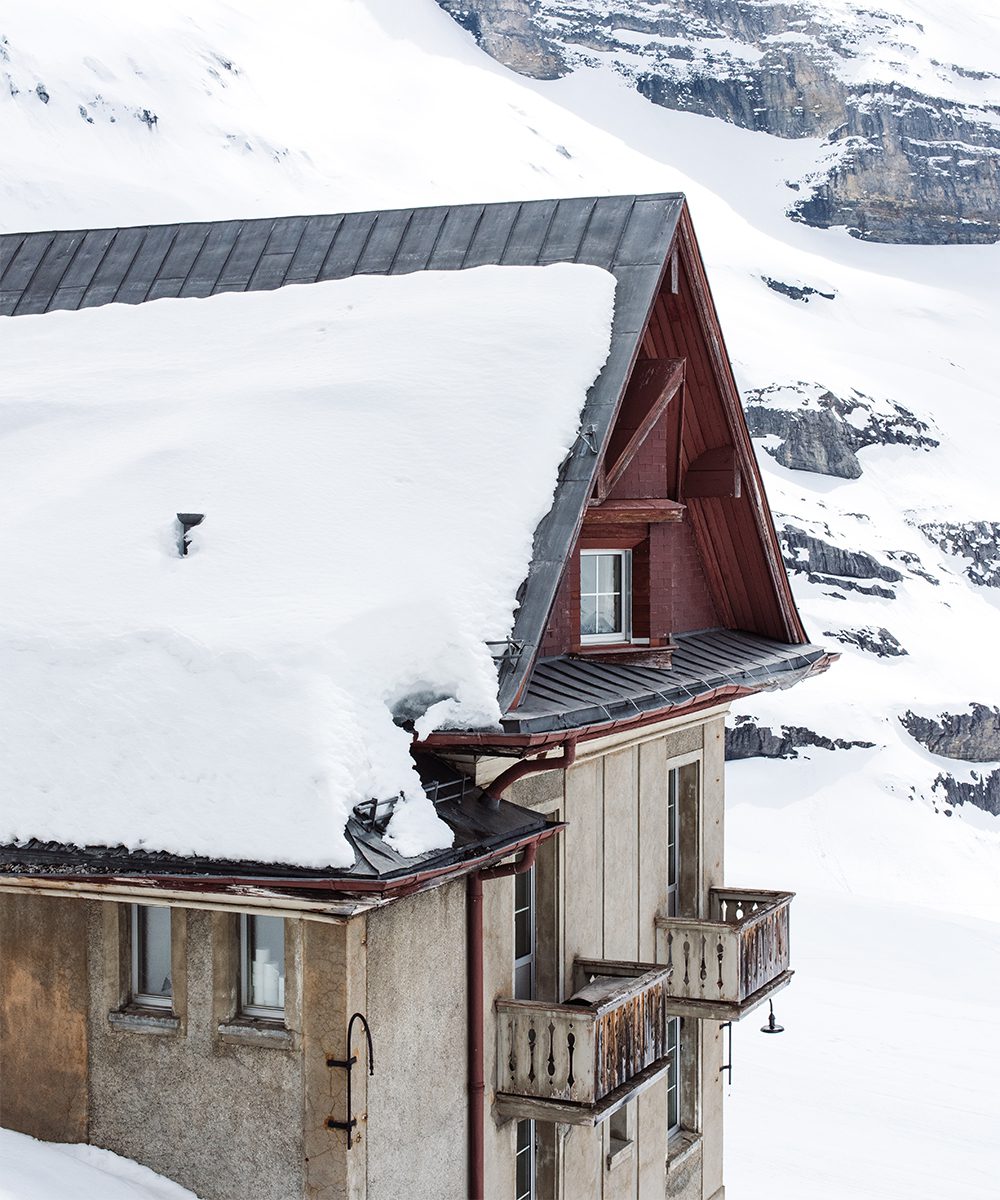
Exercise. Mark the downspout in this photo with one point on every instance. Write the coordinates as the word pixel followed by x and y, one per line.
pixel 474 951
pixel 530 766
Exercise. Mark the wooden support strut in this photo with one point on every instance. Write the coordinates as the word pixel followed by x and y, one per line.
pixel 654 383
pixel 716 473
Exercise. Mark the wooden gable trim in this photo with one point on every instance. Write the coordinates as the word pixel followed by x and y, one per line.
pixel 746 459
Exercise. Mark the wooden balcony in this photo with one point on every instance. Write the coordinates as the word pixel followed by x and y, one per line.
pixel 579 1061
pixel 723 967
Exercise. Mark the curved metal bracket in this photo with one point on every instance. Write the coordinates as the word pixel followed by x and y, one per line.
pixel 347 1064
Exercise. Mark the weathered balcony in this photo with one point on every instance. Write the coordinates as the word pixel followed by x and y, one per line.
pixel 578 1061
pixel 724 966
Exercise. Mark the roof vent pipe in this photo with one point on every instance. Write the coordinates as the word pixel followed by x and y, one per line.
pixel 187 522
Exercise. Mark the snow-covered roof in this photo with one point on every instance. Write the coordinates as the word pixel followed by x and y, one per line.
pixel 630 236
pixel 372 456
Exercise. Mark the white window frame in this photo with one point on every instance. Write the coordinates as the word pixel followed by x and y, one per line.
pixel 136 995
pixel 526 960
pixel 262 1012
pixel 529 959
pixel 674 1035
pixel 625 633
pixel 530 1152
pixel 673 839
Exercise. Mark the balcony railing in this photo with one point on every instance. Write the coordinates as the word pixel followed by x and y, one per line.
pixel 727 964
pixel 578 1061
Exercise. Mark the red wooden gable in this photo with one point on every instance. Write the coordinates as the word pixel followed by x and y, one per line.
pixel 679 485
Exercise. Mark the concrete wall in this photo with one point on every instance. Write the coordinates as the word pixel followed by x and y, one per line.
pixel 43 1017
pixel 417 1112
pixel 600 886
pixel 222 1117
pixel 334 983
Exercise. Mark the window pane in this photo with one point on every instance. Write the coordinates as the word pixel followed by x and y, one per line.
pixel 588 614
pixel 688 787
pixel 155 969
pixel 266 966
pixel 522 891
pixel 522 933
pixel 588 572
pixel 522 981
pixel 609 614
pixel 609 572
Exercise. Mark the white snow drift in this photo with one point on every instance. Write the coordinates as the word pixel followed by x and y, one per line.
pixel 371 457
pixel 33 1170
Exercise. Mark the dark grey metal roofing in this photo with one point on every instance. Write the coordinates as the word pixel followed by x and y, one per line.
pixel 481 829
pixel 630 236
pixel 567 692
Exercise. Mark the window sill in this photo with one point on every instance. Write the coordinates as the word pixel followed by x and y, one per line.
pixel 640 654
pixel 145 1020
pixel 255 1031
pixel 683 1145
pixel 620 1152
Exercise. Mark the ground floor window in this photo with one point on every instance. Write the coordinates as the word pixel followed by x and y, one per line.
pixel 674 1075
pixel 262 970
pixel 152 971
pixel 524 1188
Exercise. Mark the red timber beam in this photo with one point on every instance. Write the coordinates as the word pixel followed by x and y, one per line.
pixel 654 383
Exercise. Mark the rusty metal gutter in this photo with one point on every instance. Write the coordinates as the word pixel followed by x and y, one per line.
pixel 290 888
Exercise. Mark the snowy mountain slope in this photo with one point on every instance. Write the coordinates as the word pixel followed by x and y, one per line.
pixel 904 95
pixel 128 114
pixel 390 102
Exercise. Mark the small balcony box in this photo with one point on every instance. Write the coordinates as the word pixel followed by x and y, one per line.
pixel 579 1061
pixel 724 966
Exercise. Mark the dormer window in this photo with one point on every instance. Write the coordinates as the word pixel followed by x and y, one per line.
pixel 605 596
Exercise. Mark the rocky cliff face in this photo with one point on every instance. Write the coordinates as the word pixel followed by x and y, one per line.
pixel 836 566
pixel 822 432
pixel 911 145
pixel 747 739
pixel 977 541
pixel 982 791
pixel 972 737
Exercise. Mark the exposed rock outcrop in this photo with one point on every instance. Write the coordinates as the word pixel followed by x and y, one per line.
pixel 983 791
pixel 978 541
pixel 912 144
pixel 508 30
pixel 824 563
pixel 796 291
pixel 875 641
pixel 973 736
pixel 747 739
pixel 823 432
